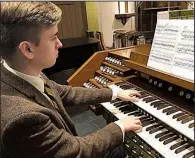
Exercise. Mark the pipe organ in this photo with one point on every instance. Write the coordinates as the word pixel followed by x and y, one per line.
pixel 165 107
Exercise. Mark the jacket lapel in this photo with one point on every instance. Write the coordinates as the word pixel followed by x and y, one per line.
pixel 61 108
pixel 24 87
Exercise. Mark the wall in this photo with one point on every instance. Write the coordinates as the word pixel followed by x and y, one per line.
pixel 92 16
pixel 107 22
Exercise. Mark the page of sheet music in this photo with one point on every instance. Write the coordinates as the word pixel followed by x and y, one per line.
pixel 173 48
pixel 183 63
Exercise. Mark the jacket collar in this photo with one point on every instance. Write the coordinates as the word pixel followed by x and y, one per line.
pixel 24 87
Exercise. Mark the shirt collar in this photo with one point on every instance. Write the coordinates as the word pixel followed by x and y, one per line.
pixel 37 82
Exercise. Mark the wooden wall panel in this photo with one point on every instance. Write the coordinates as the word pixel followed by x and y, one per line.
pixel 74 20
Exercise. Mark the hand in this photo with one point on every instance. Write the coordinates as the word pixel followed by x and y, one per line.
pixel 131 123
pixel 128 95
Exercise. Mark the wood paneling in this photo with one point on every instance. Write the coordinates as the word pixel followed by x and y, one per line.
pixel 74 20
pixel 88 69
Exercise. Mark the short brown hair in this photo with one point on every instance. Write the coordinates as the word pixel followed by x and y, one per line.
pixel 23 21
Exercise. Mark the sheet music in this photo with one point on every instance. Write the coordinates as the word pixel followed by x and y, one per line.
pixel 173 48
pixel 183 64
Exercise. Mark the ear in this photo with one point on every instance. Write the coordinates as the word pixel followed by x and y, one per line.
pixel 26 49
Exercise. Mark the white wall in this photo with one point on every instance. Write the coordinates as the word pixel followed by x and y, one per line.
pixel 107 22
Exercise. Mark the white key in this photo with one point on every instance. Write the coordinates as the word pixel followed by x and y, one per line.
pixel 185 151
pixel 183 128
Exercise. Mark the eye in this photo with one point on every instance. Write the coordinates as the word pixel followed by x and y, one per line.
pixel 54 38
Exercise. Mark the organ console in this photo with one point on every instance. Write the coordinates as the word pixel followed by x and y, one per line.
pixel 165 107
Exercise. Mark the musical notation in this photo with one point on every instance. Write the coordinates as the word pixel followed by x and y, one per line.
pixel 173 48
pixel 183 63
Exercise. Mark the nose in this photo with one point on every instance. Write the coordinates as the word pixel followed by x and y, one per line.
pixel 59 43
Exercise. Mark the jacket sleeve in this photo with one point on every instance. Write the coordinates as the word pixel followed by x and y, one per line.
pixel 33 134
pixel 82 96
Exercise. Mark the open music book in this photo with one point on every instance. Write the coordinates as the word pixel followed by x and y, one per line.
pixel 172 49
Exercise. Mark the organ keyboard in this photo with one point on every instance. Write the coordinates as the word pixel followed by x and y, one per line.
pixel 165 107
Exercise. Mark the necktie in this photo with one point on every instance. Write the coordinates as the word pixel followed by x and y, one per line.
pixel 49 93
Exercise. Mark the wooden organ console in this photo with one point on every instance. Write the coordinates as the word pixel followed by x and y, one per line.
pixel 165 107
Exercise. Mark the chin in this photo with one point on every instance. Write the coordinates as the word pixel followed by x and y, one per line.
pixel 51 64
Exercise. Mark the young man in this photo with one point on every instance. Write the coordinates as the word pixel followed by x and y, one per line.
pixel 34 123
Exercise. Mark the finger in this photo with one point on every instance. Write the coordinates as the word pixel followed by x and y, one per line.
pixel 138 130
pixel 138 122
pixel 133 99
pixel 136 93
pixel 136 118
pixel 137 127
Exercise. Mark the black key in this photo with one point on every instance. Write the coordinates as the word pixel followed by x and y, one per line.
pixel 174 146
pixel 182 148
pixel 162 106
pixel 191 125
pixel 182 117
pixel 187 120
pixel 143 117
pixel 144 95
pixel 124 84
pixel 169 140
pixel 188 154
pixel 126 87
pixel 159 104
pixel 125 104
pixel 146 123
pixel 167 109
pixel 149 99
pixel 130 111
pixel 166 137
pixel 156 129
pixel 162 134
pixel 121 83
pixel 145 99
pixel 138 114
pixel 178 115
pixel 156 102
pixel 134 113
pixel 115 100
pixel 152 127
pixel 125 108
pixel 171 111
pixel 143 92
pixel 120 103
pixel 146 119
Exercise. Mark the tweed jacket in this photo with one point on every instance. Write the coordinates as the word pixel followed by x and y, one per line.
pixel 32 128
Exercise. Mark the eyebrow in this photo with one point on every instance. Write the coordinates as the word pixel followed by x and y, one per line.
pixel 54 35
